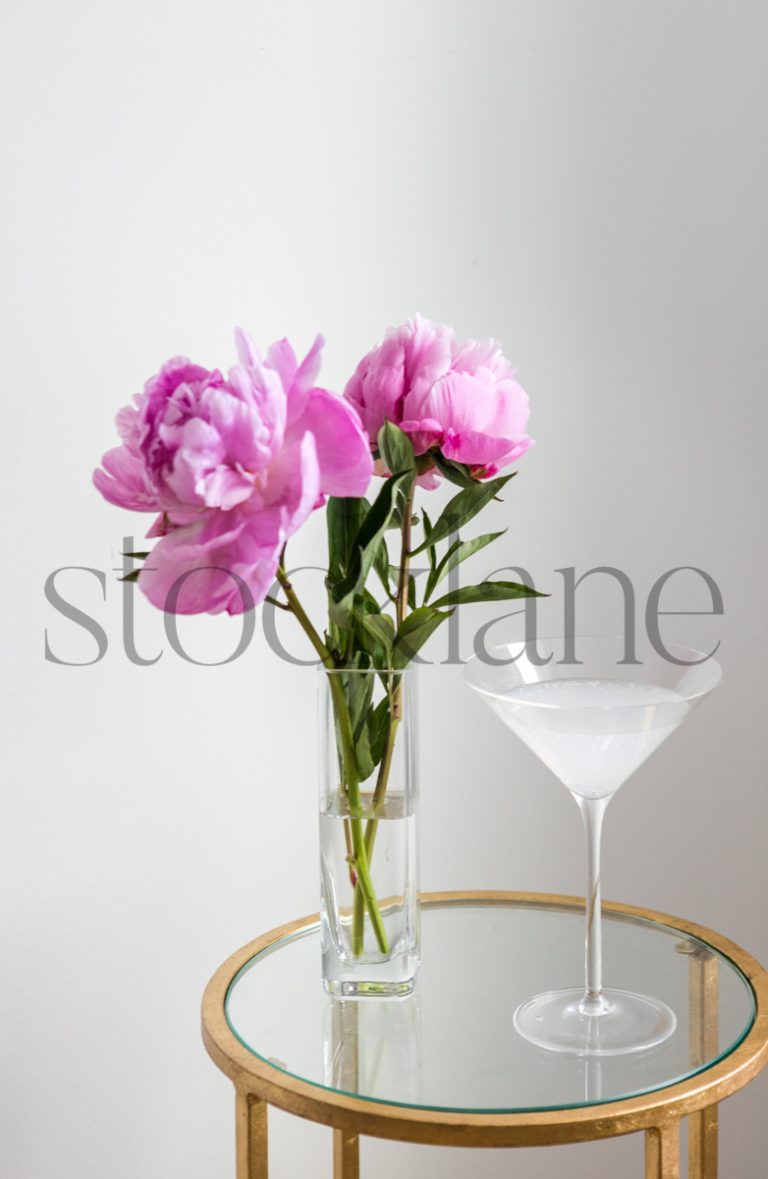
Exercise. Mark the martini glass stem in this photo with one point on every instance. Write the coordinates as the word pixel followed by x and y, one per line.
pixel 592 812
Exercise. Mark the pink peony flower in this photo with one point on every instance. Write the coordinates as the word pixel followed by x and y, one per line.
pixel 462 400
pixel 234 465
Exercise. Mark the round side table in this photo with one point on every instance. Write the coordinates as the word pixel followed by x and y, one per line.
pixel 446 1066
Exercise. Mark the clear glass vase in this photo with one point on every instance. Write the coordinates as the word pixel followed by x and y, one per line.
pixel 368 832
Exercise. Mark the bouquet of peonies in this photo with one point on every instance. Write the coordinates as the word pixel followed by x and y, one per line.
pixel 233 465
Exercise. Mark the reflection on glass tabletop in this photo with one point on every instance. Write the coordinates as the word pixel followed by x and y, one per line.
pixel 452 1044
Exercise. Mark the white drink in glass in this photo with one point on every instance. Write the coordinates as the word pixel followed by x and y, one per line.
pixel 591 733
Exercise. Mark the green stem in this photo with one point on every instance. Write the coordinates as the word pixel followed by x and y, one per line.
pixel 405 551
pixel 359 859
pixel 395 716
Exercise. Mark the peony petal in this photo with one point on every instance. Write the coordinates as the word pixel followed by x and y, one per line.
pixel 482 354
pixel 246 348
pixel 393 381
pixel 225 488
pixel 196 450
pixel 376 388
pixel 244 428
pixel 160 526
pixel 160 389
pixel 189 573
pixel 302 380
pixel 282 358
pixel 309 369
pixel 423 434
pixel 518 448
pixel 123 481
pixel 303 489
pixel 383 389
pixel 428 350
pixel 261 390
pixel 211 530
pixel 430 480
pixel 510 410
pixel 129 427
pixel 476 449
pixel 342 447
pixel 459 402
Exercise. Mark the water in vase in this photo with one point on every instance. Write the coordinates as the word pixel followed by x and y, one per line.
pixel 393 853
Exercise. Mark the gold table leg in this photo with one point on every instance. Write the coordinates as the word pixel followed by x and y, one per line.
pixel 251 1137
pixel 346 1155
pixel 702 1144
pixel 704 1042
pixel 662 1152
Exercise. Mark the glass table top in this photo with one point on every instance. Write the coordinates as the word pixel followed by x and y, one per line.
pixel 452 1045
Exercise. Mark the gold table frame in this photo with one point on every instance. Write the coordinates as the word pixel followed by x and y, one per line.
pixel 658 1114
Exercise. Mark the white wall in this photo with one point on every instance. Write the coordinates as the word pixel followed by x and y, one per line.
pixel 586 181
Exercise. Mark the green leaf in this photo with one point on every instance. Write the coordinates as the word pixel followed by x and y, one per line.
pixel 340 615
pixel 431 550
pixel 382 566
pixel 396 449
pixel 343 518
pixel 370 723
pixel 378 725
pixel 457 473
pixel 432 575
pixel 132 576
pixel 459 551
pixel 411 592
pixel 345 615
pixel 396 523
pixel 462 508
pixel 137 556
pixel 364 754
pixel 358 690
pixel 487 591
pixel 381 629
pixel 414 632
pixel 367 538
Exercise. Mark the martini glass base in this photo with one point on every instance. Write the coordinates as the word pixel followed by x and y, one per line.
pixel 617 1023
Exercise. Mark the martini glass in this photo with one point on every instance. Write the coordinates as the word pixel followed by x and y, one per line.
pixel 593 722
